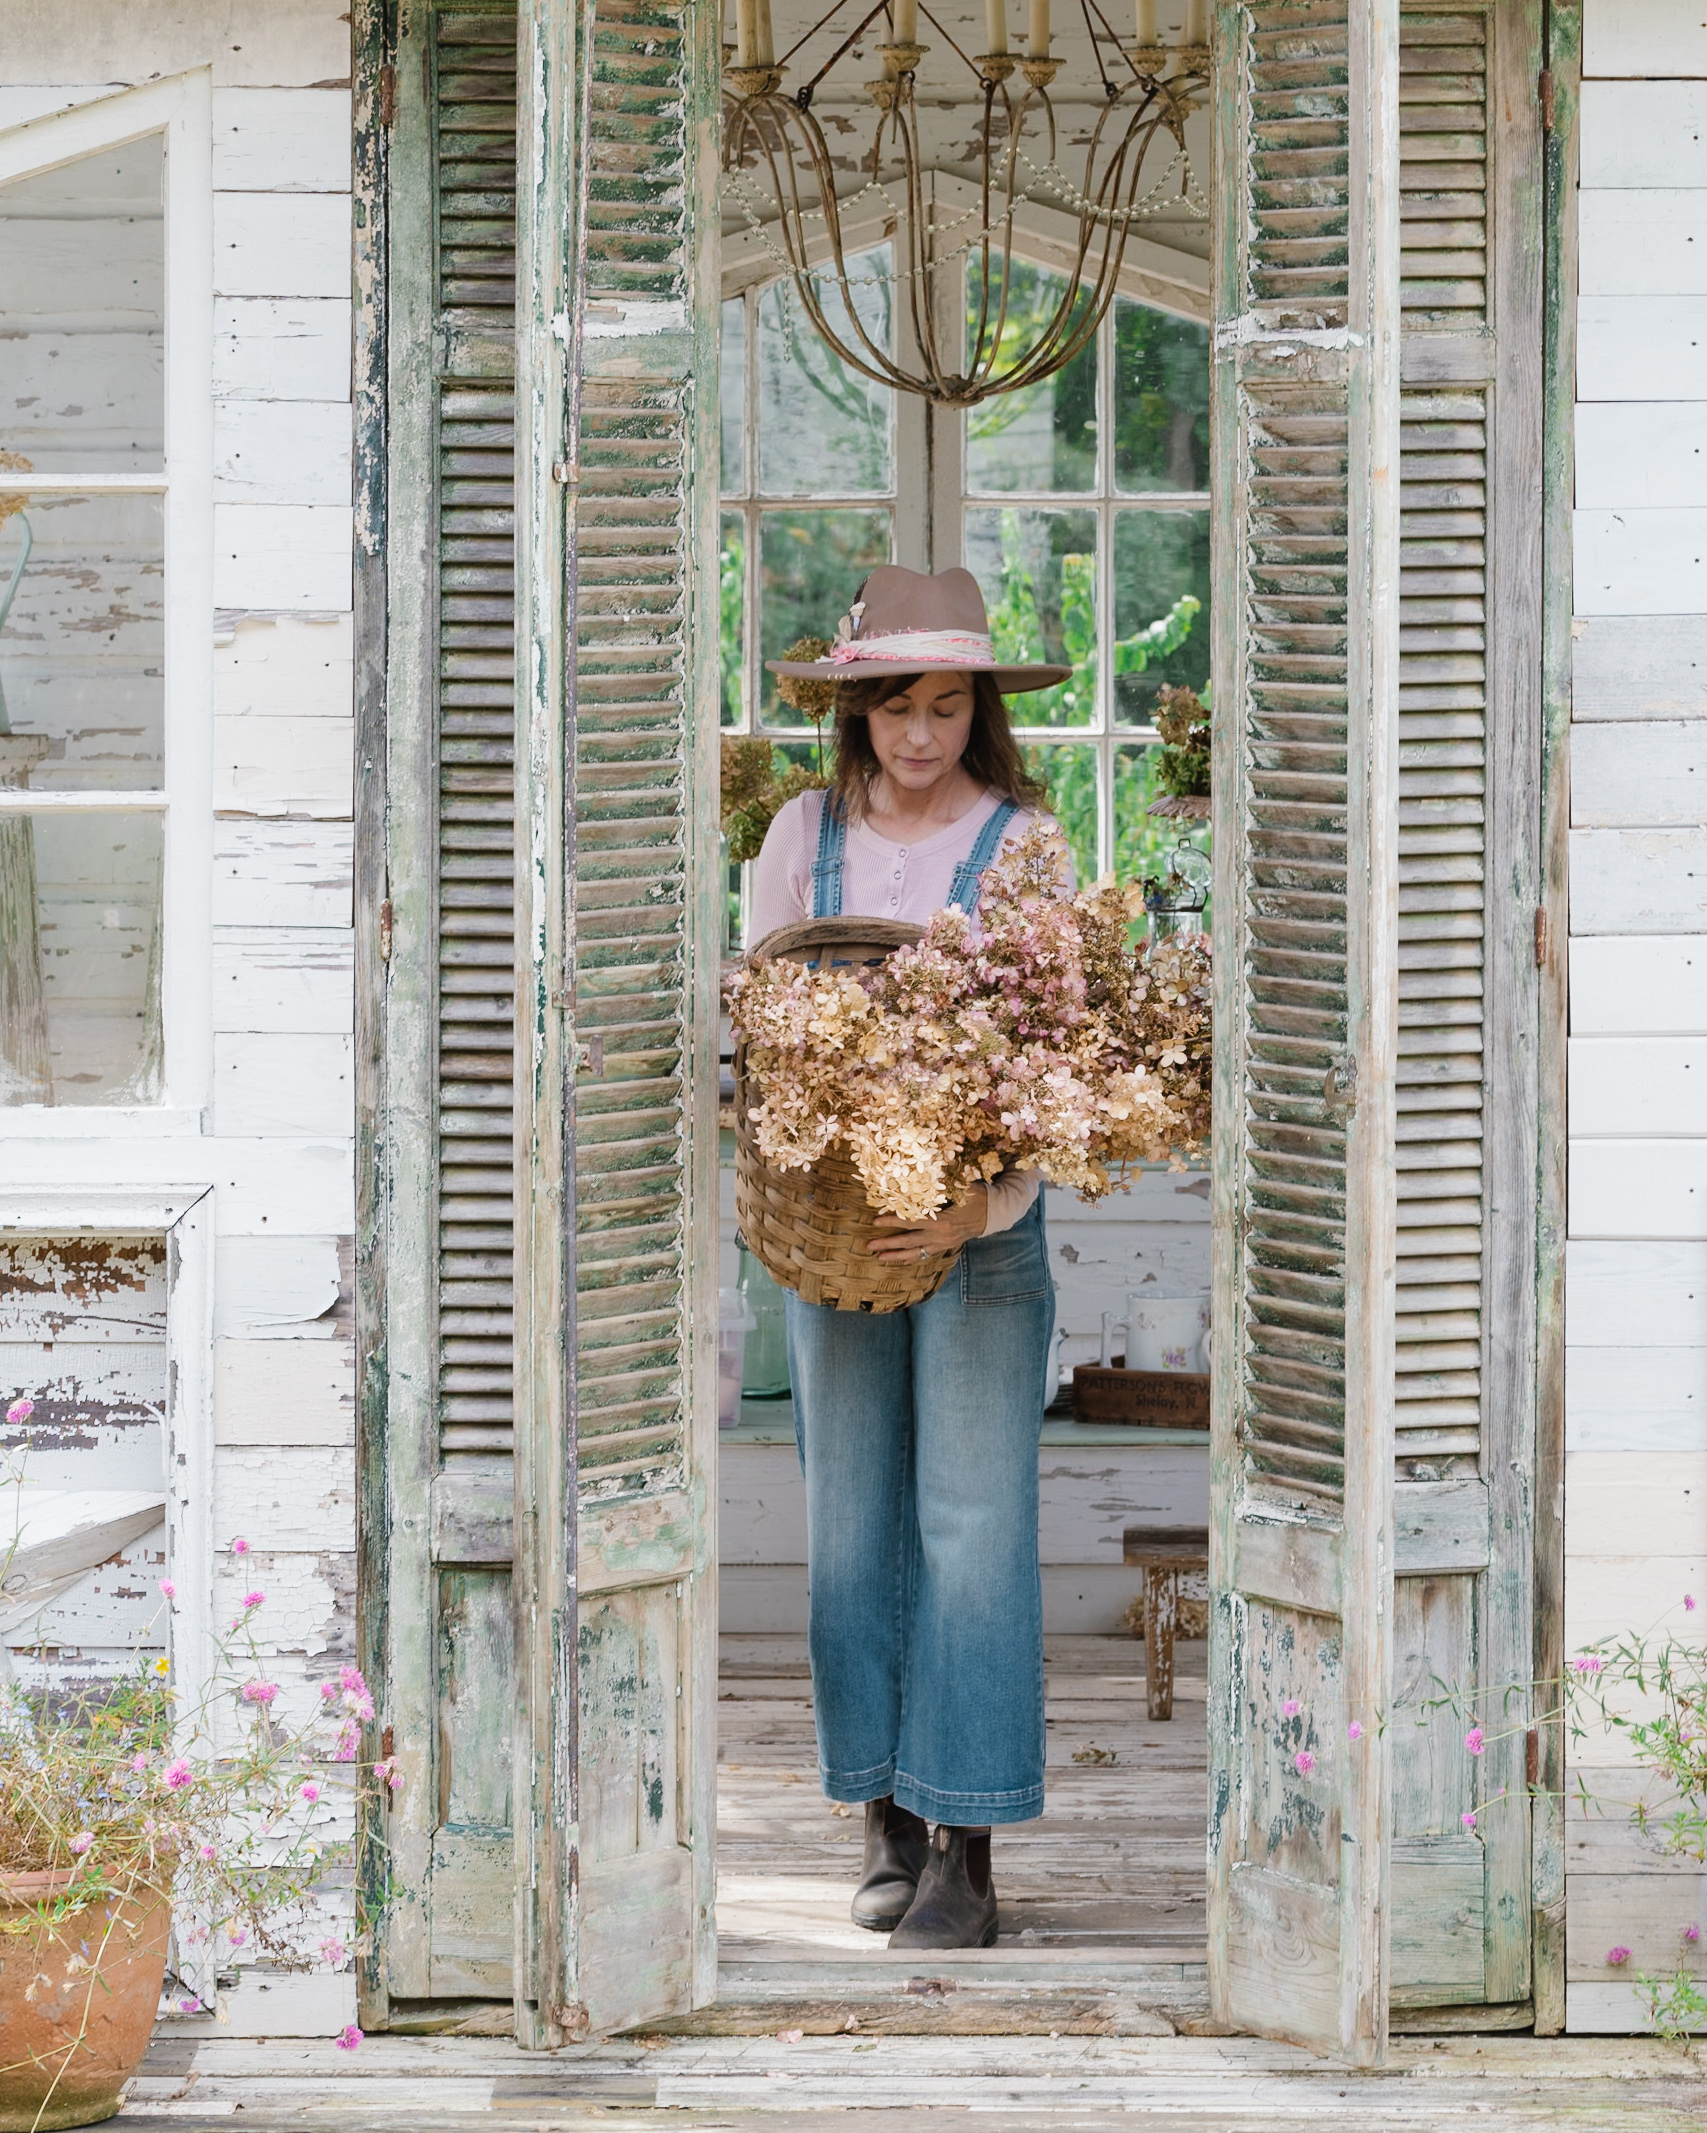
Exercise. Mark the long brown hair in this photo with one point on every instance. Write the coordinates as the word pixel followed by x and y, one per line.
pixel 992 754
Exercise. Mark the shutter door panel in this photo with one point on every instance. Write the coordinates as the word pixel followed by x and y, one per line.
pixel 448 1700
pixel 1306 797
pixel 1465 1157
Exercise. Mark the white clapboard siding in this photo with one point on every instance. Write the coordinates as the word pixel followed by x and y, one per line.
pixel 1643 455
pixel 282 556
pixel 260 1188
pixel 275 1392
pixel 1636 1293
pixel 1638 666
pixel 290 1499
pixel 1641 241
pixel 274 245
pixel 281 43
pixel 283 873
pixel 50 1539
pixel 285 1085
pixel 1644 37
pixel 1642 348
pixel 1610 1594
pixel 277 978
pixel 284 766
pixel 1639 881
pixel 281 140
pixel 1654 1189
pixel 285 666
pixel 1636 1503
pixel 267 1289
pixel 1633 1398
pixel 1638 1085
pixel 282 452
pixel 272 348
pixel 1641 562
pixel 1644 133
pixel 1624 987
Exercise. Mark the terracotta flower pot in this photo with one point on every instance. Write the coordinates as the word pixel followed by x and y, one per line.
pixel 77 2001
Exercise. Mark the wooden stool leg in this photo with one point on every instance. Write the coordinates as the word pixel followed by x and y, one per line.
pixel 1161 1617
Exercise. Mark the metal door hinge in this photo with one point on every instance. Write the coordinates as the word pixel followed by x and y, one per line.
pixel 1545 88
pixel 388 95
pixel 1339 1087
pixel 1532 1756
pixel 385 931
pixel 1542 942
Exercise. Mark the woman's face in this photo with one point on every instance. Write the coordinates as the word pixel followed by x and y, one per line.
pixel 920 734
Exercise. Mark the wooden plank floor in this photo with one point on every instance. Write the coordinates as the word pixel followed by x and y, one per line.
pixel 1114 1869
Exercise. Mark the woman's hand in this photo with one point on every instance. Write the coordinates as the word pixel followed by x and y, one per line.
pixel 947 1232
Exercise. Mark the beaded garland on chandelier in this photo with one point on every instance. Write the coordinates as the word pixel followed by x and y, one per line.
pixel 780 170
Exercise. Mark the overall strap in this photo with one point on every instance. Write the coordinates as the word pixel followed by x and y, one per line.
pixel 963 891
pixel 827 867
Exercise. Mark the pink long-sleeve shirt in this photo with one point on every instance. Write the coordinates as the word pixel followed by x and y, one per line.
pixel 880 879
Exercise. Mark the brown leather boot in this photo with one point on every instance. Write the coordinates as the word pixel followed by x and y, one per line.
pixel 895 1845
pixel 956 1903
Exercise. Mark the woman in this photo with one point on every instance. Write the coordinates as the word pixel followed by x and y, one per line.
pixel 918 1429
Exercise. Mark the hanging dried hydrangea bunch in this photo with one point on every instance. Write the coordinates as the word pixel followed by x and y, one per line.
pixel 758 781
pixel 1182 762
pixel 1041 1040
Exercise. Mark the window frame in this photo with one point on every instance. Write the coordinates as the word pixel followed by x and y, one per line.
pixel 180 109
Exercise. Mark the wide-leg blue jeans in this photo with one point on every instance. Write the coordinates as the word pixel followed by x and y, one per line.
pixel 918 1434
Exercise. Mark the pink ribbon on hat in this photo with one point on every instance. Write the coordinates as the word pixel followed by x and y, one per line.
pixel 949 648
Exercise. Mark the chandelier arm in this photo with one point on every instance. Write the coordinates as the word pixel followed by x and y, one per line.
pixel 842 50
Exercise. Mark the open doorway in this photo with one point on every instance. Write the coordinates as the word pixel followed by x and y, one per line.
pixel 1082 505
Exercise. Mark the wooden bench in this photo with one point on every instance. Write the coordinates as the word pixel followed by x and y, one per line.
pixel 1162 1552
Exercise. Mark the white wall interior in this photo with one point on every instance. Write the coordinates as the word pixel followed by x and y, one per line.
pixel 1636 1366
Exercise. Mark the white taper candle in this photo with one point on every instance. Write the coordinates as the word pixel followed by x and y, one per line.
pixel 906 21
pixel 1196 22
pixel 995 25
pixel 746 36
pixel 1037 46
pixel 1146 14
pixel 766 54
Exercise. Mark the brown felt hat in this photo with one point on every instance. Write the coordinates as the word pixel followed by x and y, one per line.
pixel 906 622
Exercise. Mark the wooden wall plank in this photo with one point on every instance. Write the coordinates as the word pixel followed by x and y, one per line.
pixel 272 1392
pixel 1644 133
pixel 1642 562
pixel 1602 1833
pixel 1638 1189
pixel 280 1288
pixel 273 1084
pixel 279 978
pixel 1638 1085
pixel 282 874
pixel 1645 1915
pixel 284 43
pixel 1626 985
pixel 1648 1398
pixel 1635 1503
pixel 281 140
pixel 1642 455
pixel 281 348
pixel 1639 881
pixel 279 666
pixel 262 1188
pixel 1630 772
pixel 1645 1594
pixel 286 1499
pixel 267 244
pixel 1643 241
pixel 1639 666
pixel 1642 348
pixel 281 451
pixel 284 766
pixel 1643 37
pixel 282 556
pixel 1637 1293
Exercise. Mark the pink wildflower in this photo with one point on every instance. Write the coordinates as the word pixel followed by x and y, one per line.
pixel 20 1410
pixel 178 1775
pixel 261 1692
pixel 1689 1601
pixel 187 2006
pixel 1692 1934
pixel 81 1842
pixel 389 1774
pixel 1354 1731
pixel 238 1935
pixel 1291 1707
pixel 168 1591
pixel 252 1600
pixel 1617 1957
pixel 349 1739
pixel 1473 1740
pixel 240 1547
pixel 333 1951
pixel 139 1763
pixel 1468 1818
pixel 311 1793
pixel 1303 1762
pixel 1590 1665
pixel 348 2037
pixel 329 1691
pixel 209 1854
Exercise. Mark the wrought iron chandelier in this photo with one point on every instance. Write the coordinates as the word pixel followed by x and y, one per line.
pixel 780 170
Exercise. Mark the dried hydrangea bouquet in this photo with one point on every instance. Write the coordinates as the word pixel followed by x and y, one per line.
pixel 1041 1039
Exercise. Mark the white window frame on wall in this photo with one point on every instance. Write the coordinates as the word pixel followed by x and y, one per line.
pixel 928 508
pixel 180 109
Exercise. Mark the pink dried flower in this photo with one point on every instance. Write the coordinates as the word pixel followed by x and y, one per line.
pixel 81 1842
pixel 189 2006
pixel 311 1793
pixel 178 1775
pixel 240 1547
pixel 20 1410
pixel 1692 1934
pixel 1473 1740
pixel 168 1591
pixel 348 2037
pixel 261 1692
pixel 1468 1818
pixel 252 1600
pixel 1291 1707
pixel 1617 1957
pixel 1303 1762
pixel 1354 1731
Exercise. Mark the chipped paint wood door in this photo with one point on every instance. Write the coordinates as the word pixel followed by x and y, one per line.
pixel 442 1529
pixel 1469 717
pixel 1306 793
pixel 619 952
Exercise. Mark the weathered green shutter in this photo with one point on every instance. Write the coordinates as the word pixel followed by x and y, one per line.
pixel 1469 741
pixel 1306 775
pixel 615 1544
pixel 449 1001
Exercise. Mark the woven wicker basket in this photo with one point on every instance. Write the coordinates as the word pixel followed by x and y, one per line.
pixel 811 1229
